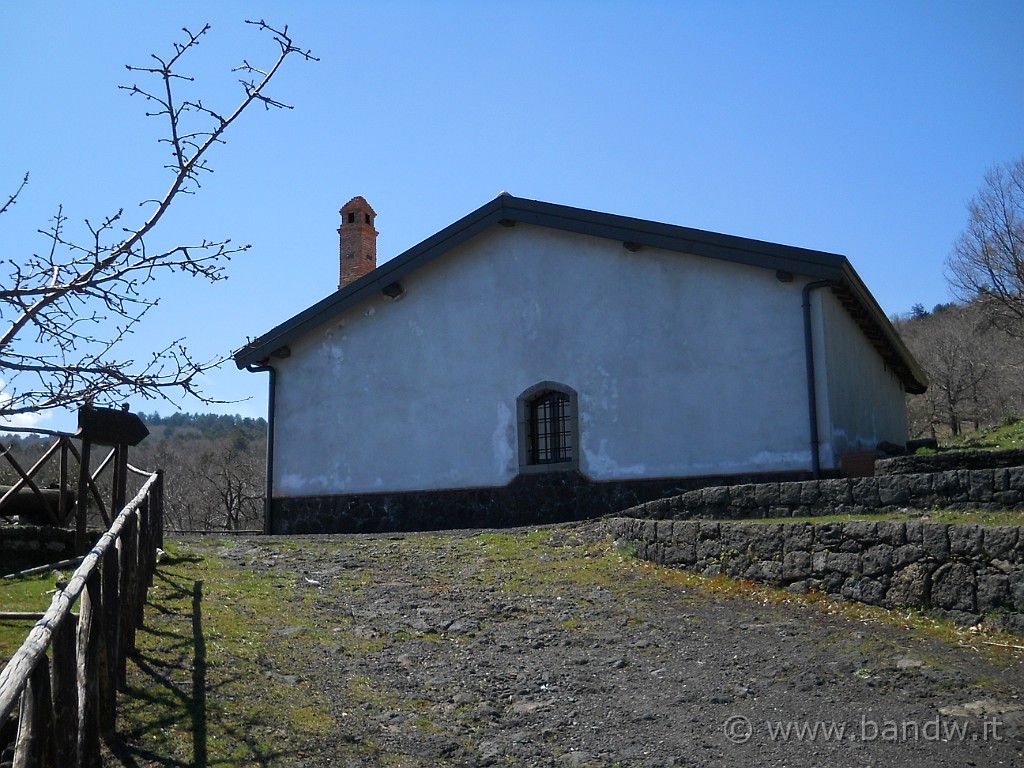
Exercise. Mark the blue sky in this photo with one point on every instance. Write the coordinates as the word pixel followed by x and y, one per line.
pixel 861 128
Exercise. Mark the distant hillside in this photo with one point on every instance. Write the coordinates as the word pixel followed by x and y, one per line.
pixel 211 426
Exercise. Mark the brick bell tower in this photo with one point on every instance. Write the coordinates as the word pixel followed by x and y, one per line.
pixel 358 251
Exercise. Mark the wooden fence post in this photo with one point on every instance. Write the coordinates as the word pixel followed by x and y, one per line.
pixel 127 550
pixel 82 512
pixel 158 509
pixel 111 612
pixel 64 687
pixel 34 745
pixel 90 619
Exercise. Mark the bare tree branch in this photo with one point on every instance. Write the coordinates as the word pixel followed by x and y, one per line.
pixel 64 314
pixel 987 262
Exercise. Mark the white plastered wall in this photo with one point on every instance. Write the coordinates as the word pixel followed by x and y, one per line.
pixel 861 400
pixel 684 366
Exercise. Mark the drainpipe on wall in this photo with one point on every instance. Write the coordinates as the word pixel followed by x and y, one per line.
pixel 267 502
pixel 812 393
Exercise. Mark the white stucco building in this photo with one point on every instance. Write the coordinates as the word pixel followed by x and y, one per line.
pixel 534 361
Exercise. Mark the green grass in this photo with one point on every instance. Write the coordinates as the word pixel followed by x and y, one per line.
pixel 28 594
pixel 210 684
pixel 1006 436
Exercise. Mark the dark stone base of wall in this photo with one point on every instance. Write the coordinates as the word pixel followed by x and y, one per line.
pixel 527 500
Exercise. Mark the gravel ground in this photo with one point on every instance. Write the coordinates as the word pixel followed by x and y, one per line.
pixel 547 648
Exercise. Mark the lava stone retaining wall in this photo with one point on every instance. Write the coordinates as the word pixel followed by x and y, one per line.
pixel 995 488
pixel 962 572
pixel 28 546
pixel 944 462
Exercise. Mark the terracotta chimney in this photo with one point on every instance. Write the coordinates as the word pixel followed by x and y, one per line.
pixel 358 251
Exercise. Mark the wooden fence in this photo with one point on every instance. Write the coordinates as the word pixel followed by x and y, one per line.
pixel 67 699
pixel 55 506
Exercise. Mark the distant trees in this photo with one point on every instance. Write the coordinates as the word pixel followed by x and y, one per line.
pixel 973 367
pixel 215 469
pixel 972 351
pixel 987 262
pixel 65 311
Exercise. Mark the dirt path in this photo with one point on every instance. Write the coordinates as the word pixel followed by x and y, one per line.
pixel 548 648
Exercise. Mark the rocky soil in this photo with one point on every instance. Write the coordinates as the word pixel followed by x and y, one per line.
pixel 549 648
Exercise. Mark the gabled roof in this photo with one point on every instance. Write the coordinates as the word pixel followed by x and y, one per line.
pixel 633 233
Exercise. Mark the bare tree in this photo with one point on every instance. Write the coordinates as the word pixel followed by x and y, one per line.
pixel 972 364
pixel 65 313
pixel 987 262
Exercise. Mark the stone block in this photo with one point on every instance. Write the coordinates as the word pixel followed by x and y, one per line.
pixel 707 530
pixel 796 566
pixel 920 489
pixel 892 532
pixel 865 492
pixel 680 555
pixel 1015 479
pixel 766 495
pixel 965 540
pixel 980 485
pixel 708 549
pixel 810 493
pixel 742 497
pixel 865 532
pixel 907 554
pixel 649 530
pixel 766 571
pixel 1000 480
pixel 893 491
pixel 846 563
pixel 914 530
pixel 717 496
pixel 999 542
pixel 658 509
pixel 946 486
pixel 954 587
pixel 767 541
pixel 835 493
pixel 736 565
pixel 617 526
pixel 877 560
pixel 993 592
pixel 789 495
pixel 863 591
pixel 736 536
pixel 832 582
pixel 1016 586
pixel 819 563
pixel 798 536
pixel 684 532
pixel 909 587
pixel 1007 498
pixel 828 534
pixel 935 540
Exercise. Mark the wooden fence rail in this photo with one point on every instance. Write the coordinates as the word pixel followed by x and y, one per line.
pixel 67 700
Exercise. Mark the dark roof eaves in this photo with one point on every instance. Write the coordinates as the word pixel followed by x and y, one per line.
pixel 914 378
pixel 672 237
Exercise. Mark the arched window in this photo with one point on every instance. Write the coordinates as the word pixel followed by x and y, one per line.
pixel 548 436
